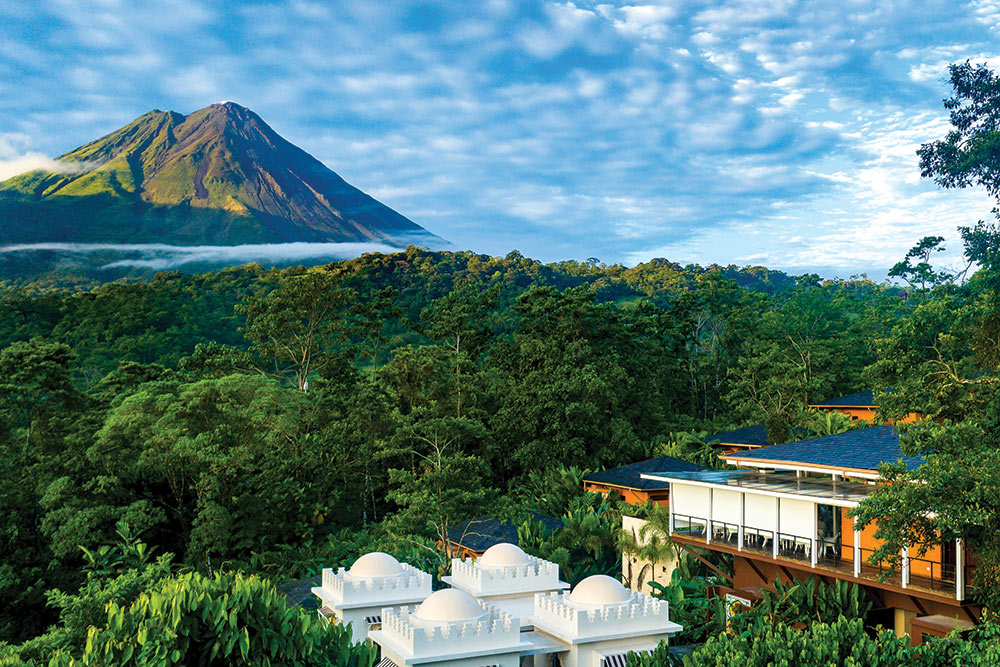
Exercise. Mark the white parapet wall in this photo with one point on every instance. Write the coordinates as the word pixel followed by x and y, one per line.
pixel 343 590
pixel 556 614
pixel 536 575
pixel 496 631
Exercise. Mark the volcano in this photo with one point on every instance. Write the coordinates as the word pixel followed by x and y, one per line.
pixel 218 176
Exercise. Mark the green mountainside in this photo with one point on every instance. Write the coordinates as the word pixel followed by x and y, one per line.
pixel 219 176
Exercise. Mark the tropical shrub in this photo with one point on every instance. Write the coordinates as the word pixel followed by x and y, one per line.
pixel 228 619
pixel 812 600
pixel 690 603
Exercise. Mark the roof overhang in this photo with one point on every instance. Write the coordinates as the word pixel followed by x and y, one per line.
pixel 736 460
pixel 772 492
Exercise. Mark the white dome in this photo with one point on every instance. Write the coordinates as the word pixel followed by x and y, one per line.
pixel 375 564
pixel 449 605
pixel 502 555
pixel 600 590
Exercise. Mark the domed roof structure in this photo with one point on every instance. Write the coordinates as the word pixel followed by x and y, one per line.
pixel 449 605
pixel 504 554
pixel 600 590
pixel 375 564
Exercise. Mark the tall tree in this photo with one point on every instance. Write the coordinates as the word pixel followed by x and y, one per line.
pixel 295 326
pixel 922 272
pixel 970 152
pixel 459 321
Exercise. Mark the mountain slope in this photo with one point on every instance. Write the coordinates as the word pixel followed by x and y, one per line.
pixel 218 176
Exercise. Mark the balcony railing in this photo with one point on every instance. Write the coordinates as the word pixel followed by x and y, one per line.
pixel 690 526
pixel 795 547
pixel 831 553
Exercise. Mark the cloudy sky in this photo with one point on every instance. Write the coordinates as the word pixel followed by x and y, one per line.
pixel 750 132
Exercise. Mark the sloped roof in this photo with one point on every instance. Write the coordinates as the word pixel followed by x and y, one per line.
pixel 859 399
pixel 629 476
pixel 483 532
pixel 748 435
pixel 863 449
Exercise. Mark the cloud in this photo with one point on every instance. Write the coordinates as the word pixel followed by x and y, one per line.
pixel 22 164
pixel 161 256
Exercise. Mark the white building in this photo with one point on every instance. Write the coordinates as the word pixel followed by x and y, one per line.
pixel 469 625
pixel 507 578
pixel 356 597
pixel 449 628
pixel 600 621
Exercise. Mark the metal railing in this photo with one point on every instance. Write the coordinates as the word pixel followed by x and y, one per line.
pixel 795 547
pixel 831 552
pixel 727 533
pixel 759 540
pixel 932 574
pixel 690 526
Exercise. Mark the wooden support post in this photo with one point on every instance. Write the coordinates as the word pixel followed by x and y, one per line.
pixel 705 562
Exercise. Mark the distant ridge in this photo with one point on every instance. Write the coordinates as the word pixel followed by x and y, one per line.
pixel 218 176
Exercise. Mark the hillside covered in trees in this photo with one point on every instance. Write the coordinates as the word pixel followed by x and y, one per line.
pixel 277 421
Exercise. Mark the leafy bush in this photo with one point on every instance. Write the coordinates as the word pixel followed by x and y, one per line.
pixel 231 619
pixel 700 614
pixel 812 600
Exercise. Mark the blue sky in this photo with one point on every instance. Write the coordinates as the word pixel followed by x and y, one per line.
pixel 750 132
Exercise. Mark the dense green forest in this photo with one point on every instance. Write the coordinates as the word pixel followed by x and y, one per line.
pixel 197 434
pixel 244 419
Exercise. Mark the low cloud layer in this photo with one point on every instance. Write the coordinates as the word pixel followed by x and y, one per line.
pixel 160 257
pixel 22 164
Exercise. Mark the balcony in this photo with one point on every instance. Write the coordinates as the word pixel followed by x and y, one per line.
pixel 831 554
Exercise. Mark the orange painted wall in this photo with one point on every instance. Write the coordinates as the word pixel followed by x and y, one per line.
pixel 631 496
pixel 918 566
pixel 864 413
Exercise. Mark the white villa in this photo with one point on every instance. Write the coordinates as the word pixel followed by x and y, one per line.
pixel 449 628
pixel 507 578
pixel 509 609
pixel 356 597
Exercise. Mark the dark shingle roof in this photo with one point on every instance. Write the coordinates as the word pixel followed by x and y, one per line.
pixel 860 399
pixel 748 435
pixel 483 532
pixel 863 449
pixel 629 476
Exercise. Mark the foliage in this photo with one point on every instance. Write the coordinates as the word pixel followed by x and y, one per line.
pixel 692 447
pixel 555 491
pixel 819 423
pixel 237 619
pixel 294 326
pixel 445 484
pixel 922 272
pixel 689 595
pixel 486 384
pixel 586 543
pixel 843 643
pixel 813 601
pixel 967 154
